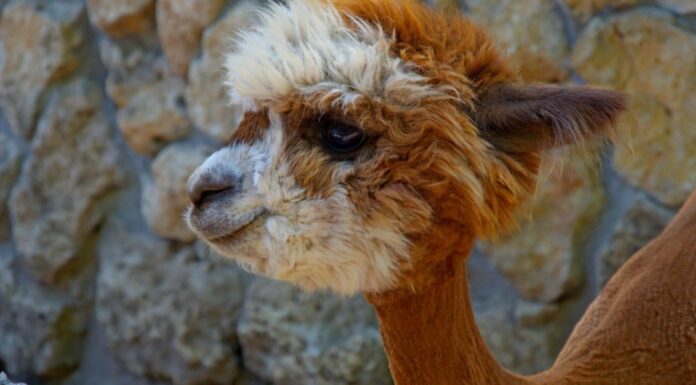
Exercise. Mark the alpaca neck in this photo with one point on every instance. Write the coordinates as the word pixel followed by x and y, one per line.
pixel 431 337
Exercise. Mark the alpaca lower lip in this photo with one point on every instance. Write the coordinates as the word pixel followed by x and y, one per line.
pixel 215 226
pixel 233 233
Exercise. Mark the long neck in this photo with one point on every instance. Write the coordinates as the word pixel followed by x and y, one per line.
pixel 431 337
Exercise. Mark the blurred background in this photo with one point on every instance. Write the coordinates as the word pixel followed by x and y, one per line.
pixel 106 106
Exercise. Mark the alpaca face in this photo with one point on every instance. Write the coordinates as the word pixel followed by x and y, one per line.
pixel 360 145
pixel 308 162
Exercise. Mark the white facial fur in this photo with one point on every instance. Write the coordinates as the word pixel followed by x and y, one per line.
pixel 307 47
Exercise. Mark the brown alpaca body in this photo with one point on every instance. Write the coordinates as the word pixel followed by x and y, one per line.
pixel 641 329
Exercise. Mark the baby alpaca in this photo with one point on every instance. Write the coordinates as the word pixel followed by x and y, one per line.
pixel 380 139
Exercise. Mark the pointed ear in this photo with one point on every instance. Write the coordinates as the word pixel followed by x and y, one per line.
pixel 528 118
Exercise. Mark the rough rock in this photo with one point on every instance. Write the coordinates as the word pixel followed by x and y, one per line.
pixel 6 381
pixel 681 6
pixel 38 46
pixel 130 64
pixel 644 54
pixel 10 157
pixel 524 340
pixel 531 31
pixel 149 99
pixel 206 96
pixel 292 338
pixel 524 336
pixel 443 4
pixel 168 313
pixel 180 24
pixel 154 116
pixel 249 379
pixel 164 196
pixel 535 313
pixel 122 17
pixel 542 259
pixel 643 222
pixel 73 164
pixel 43 328
pixel 584 9
pixel 7 258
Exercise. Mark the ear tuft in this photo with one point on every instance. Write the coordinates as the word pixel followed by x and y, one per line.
pixel 532 118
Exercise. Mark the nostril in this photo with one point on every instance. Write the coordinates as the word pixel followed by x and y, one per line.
pixel 205 188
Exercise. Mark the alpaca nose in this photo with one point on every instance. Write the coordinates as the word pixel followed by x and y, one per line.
pixel 206 187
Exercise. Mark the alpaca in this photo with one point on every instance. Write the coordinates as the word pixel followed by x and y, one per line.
pixel 380 139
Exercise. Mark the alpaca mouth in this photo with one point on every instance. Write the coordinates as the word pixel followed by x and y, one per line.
pixel 239 230
pixel 219 227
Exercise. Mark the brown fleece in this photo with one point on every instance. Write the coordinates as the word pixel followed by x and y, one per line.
pixel 640 330
pixel 251 128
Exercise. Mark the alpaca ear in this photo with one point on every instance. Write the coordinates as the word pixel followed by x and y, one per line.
pixel 527 118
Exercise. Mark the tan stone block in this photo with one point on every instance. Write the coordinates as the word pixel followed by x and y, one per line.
pixel 180 24
pixel 542 258
pixel 531 31
pixel 644 54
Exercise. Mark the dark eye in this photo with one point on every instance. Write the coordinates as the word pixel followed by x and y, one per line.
pixel 340 137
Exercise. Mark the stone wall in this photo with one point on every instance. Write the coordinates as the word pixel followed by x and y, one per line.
pixel 106 107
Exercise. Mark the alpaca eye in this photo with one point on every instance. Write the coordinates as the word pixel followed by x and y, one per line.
pixel 340 137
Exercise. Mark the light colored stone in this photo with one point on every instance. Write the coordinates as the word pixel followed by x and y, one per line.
pixel 42 328
pixel 524 336
pixel 164 196
pixel 131 64
pixel 168 313
pixel 542 259
pixel 206 95
pixel 154 116
pixel 7 258
pixel 6 381
pixel 681 6
pixel 531 31
pixel 521 346
pixel 535 313
pixel 445 5
pixel 584 9
pixel 38 45
pixel 122 17
pixel 289 337
pixel 149 99
pixel 643 222
pixel 73 164
pixel 10 157
pixel 180 24
pixel 644 54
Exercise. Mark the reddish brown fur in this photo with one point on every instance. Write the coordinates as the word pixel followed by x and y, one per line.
pixel 516 119
pixel 640 330
pixel 251 128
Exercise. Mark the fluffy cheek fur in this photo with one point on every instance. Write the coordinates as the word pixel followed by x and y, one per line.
pixel 325 244
pixel 320 244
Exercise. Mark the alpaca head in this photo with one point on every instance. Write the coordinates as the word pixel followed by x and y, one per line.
pixel 379 139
